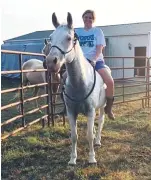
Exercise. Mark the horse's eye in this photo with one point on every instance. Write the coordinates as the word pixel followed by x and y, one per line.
pixel 69 38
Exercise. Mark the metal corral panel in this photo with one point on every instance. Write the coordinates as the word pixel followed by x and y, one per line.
pixel 119 46
pixel 11 61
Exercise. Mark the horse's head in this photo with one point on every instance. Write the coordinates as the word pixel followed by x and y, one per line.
pixel 45 51
pixel 46 48
pixel 62 44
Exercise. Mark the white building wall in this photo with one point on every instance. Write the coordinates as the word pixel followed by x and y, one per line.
pixel 118 46
pixel 126 29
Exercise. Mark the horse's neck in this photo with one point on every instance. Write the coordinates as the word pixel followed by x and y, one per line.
pixel 76 70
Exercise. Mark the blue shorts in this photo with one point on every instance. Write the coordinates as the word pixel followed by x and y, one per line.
pixel 99 65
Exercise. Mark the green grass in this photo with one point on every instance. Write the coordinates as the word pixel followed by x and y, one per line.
pixel 43 153
pixel 125 154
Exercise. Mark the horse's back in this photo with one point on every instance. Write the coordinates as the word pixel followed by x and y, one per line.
pixel 33 64
pixel 34 77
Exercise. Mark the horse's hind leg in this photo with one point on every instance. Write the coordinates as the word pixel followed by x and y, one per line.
pixel 100 126
pixel 55 87
pixel 25 83
pixel 90 136
pixel 55 90
pixel 35 93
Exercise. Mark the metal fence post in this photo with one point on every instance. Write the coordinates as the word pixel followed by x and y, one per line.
pixel 47 92
pixel 123 78
pixel 148 79
pixel 21 91
pixel 51 99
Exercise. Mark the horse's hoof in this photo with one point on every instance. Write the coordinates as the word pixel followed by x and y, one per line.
pixel 92 164
pixel 97 144
pixel 72 162
pixel 92 160
pixel 57 116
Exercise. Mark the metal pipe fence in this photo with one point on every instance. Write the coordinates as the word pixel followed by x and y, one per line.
pixel 49 106
pixel 22 101
pixel 146 82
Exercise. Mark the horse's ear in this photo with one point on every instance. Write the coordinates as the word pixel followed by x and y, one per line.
pixel 46 42
pixel 55 20
pixel 69 20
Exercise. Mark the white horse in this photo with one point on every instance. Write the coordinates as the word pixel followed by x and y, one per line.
pixel 34 78
pixel 84 89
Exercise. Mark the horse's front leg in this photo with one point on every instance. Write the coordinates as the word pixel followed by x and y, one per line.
pixel 100 126
pixel 90 136
pixel 74 138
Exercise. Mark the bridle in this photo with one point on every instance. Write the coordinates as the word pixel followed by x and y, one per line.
pixel 64 53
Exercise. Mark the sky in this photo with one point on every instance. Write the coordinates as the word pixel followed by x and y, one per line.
pixel 20 17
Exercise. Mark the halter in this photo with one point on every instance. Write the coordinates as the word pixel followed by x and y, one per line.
pixel 64 53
